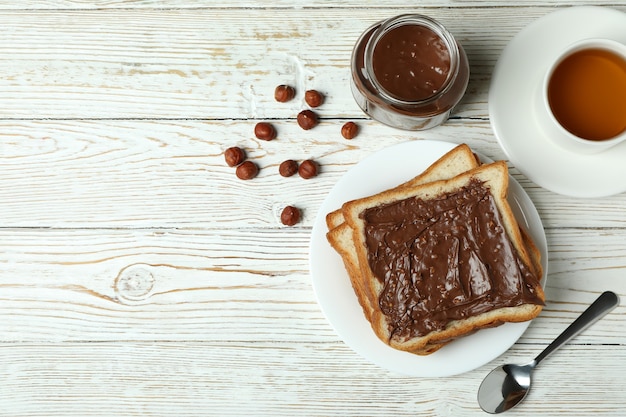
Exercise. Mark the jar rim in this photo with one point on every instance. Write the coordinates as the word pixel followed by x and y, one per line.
pixel 416 20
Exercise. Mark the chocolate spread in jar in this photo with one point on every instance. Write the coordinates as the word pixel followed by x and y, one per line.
pixel 408 72
pixel 444 259
pixel 411 62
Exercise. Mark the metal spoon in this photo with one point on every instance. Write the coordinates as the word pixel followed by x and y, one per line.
pixel 507 385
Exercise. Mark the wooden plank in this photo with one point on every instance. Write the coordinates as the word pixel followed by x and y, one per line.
pixel 232 285
pixel 261 379
pixel 402 5
pixel 139 174
pixel 170 64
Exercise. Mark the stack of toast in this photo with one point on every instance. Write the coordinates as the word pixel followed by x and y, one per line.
pixel 457 170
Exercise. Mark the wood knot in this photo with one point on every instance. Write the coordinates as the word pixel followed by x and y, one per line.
pixel 134 283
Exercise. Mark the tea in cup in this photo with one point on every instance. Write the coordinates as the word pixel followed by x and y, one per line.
pixel 583 96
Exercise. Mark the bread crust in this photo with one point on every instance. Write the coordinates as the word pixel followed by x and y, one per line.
pixel 342 235
pixel 495 177
pixel 456 161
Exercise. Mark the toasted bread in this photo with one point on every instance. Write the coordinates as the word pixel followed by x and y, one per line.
pixel 454 162
pixel 369 287
pixel 458 160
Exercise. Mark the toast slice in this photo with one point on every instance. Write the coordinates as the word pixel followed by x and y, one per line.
pixel 395 327
pixel 454 162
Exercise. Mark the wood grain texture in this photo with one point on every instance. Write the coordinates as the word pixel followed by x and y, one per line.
pixel 231 285
pixel 140 277
pixel 235 379
pixel 152 173
pixel 274 5
pixel 170 64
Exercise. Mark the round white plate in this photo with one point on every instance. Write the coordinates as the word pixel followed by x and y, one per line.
pixel 382 170
pixel 515 82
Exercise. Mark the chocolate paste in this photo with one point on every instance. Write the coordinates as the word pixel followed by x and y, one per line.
pixel 444 259
pixel 408 72
pixel 411 62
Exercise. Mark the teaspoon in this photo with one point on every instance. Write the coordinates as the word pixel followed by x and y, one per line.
pixel 507 385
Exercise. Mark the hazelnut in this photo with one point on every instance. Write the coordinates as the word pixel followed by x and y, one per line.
pixel 313 98
pixel 234 156
pixel 308 169
pixel 349 130
pixel 307 119
pixel 247 170
pixel 290 216
pixel 288 168
pixel 283 93
pixel 264 131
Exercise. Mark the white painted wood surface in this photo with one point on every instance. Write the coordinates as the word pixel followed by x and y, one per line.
pixel 140 277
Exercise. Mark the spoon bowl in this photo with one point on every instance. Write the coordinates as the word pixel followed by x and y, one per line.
pixel 507 385
pixel 504 387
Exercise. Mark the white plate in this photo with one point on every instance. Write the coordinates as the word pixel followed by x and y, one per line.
pixel 386 169
pixel 515 82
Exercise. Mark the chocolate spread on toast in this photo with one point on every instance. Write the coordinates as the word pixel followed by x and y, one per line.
pixel 444 259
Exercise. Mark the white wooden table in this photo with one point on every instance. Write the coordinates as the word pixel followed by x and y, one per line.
pixel 140 277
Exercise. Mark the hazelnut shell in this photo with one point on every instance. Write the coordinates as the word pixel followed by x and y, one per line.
pixel 307 119
pixel 313 98
pixel 288 168
pixel 247 170
pixel 284 93
pixel 308 169
pixel 264 131
pixel 290 216
pixel 349 130
pixel 234 156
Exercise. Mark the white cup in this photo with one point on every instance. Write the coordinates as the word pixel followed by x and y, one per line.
pixel 558 132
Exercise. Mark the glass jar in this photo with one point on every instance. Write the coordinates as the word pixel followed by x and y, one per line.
pixel 408 72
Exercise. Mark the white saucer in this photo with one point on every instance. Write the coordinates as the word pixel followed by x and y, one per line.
pixel 336 296
pixel 515 81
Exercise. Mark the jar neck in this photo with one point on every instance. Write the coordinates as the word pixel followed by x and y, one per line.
pixel 411 20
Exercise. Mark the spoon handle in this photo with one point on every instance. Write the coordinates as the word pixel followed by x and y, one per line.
pixel 606 302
